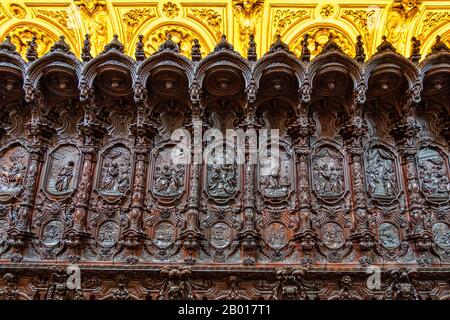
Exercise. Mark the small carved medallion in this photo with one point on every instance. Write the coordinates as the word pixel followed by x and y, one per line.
pixel 164 235
pixel 332 235
pixel 275 235
pixel 220 235
pixel 380 173
pixel 108 234
pixel 13 167
pixel 274 175
pixel 168 174
pixel 389 237
pixel 433 174
pixel 62 170
pixel 52 233
pixel 115 173
pixel 441 234
pixel 328 173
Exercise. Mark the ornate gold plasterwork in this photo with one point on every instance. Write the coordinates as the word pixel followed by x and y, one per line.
pixel 170 10
pixel 285 18
pixel 17 11
pixel 212 18
pixel 398 20
pixel 319 37
pixel 182 36
pixel 134 19
pixel 21 35
pixel 247 12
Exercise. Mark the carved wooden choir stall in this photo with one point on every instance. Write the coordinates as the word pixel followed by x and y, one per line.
pixel 87 175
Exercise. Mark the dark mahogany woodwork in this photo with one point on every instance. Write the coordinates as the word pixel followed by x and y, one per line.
pixel 86 176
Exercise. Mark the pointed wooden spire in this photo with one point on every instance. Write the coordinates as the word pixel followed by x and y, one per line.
pixel 8 46
pixel 359 49
pixel 31 53
pixel 331 45
pixel 279 45
pixel 61 45
pixel 196 54
pixel 439 46
pixel 86 50
pixel 306 53
pixel 115 44
pixel 385 46
pixel 251 52
pixel 169 44
pixel 415 50
pixel 140 54
pixel 223 45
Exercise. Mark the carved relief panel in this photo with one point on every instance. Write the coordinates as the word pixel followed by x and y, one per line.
pixel 62 171
pixel 381 174
pixel 328 173
pixel 115 171
pixel 433 174
pixel 13 168
pixel 168 173
pixel 275 175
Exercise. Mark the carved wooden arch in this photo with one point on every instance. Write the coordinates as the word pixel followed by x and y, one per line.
pixel 56 59
pixel 164 58
pixel 12 63
pixel 334 58
pixel 388 59
pixel 113 59
pixel 227 58
pixel 279 58
pixel 435 63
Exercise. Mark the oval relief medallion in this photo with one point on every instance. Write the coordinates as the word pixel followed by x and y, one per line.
pixel 164 235
pixel 220 235
pixel 441 234
pixel 388 234
pixel 275 235
pixel 332 235
pixel 108 234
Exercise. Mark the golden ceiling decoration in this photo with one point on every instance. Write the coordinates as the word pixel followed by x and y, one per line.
pixel 398 20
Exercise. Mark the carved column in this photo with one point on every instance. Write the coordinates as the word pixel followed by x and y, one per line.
pixel 143 131
pixel 191 237
pixel 353 134
pixel 405 134
pixel 91 132
pixel 301 131
pixel 249 238
pixel 39 133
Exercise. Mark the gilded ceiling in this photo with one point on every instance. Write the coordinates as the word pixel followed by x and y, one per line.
pixel 399 20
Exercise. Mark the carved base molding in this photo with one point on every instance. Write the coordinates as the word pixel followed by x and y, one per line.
pixel 152 282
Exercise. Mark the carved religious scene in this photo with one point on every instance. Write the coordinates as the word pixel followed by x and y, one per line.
pixel 381 174
pixel 433 174
pixel 222 180
pixel 275 174
pixel 62 170
pixel 169 173
pixel 13 167
pixel 115 172
pixel 328 173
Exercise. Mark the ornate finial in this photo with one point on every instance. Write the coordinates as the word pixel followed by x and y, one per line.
pixel 439 46
pixel 140 54
pixel 61 45
pixel 385 46
pixel 223 45
pixel 279 45
pixel 31 53
pixel 415 50
pixel 168 44
pixel 114 44
pixel 306 53
pixel 331 45
pixel 8 46
pixel 196 54
pixel 251 52
pixel 86 50
pixel 359 48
